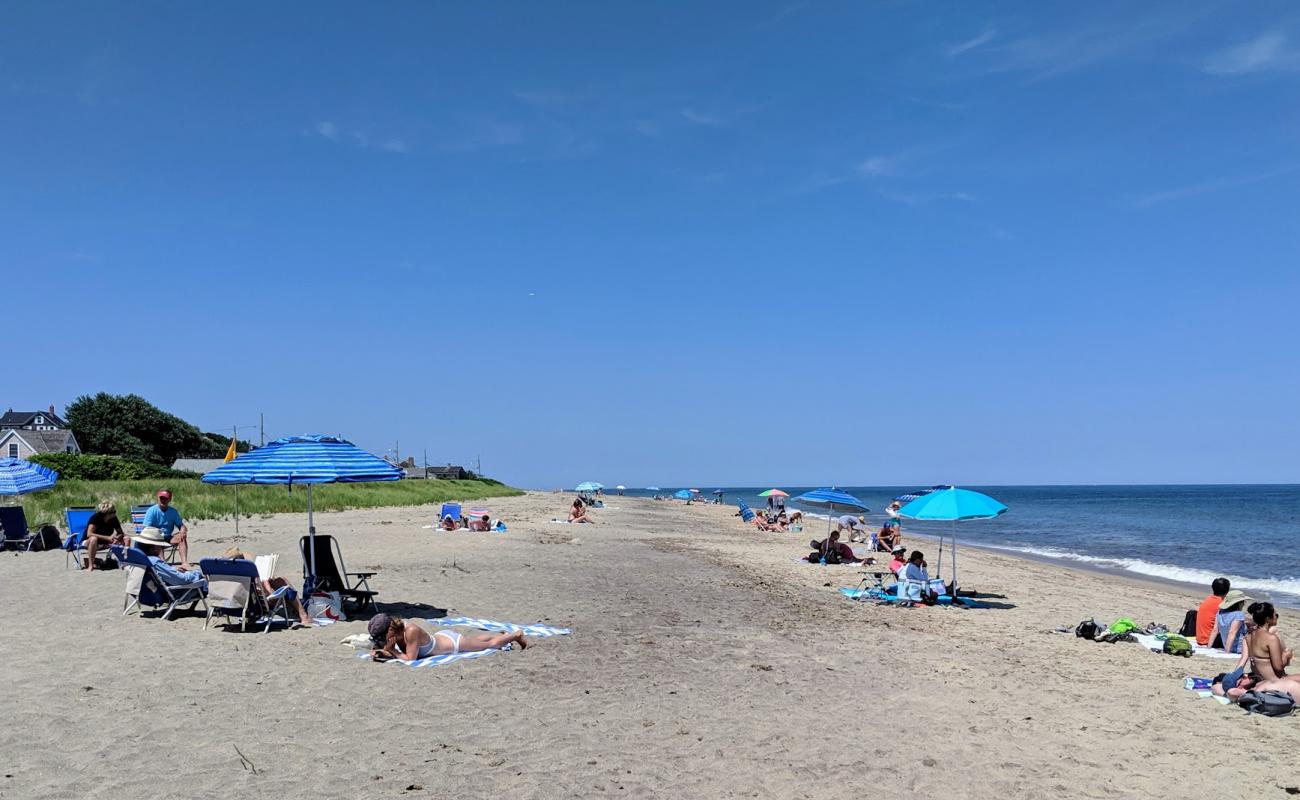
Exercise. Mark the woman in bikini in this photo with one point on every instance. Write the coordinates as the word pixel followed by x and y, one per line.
pixel 1268 656
pixel 393 638
pixel 578 513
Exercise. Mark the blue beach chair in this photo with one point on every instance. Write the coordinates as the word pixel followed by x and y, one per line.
pixel 76 520
pixel 145 588
pixel 137 516
pixel 13 523
pixel 746 513
pixel 450 510
pixel 235 590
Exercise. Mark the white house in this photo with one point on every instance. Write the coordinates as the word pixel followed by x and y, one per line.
pixel 16 443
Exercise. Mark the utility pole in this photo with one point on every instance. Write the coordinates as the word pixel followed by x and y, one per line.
pixel 425 456
pixel 478 465
pixel 261 425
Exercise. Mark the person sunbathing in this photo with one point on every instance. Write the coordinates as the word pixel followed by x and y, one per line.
pixel 832 551
pixel 272 584
pixel 578 513
pixel 483 523
pixel 1269 657
pixel 392 637
pixel 449 523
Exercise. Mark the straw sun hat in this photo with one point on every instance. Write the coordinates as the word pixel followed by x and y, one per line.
pixel 1234 597
pixel 151 535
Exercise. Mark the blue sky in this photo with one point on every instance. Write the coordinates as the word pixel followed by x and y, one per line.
pixel 726 243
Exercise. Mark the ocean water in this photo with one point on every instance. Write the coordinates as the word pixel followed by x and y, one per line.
pixel 1249 534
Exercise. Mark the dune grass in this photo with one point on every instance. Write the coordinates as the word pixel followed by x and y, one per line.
pixel 199 501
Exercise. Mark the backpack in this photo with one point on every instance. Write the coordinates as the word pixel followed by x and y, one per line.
pixel 47 539
pixel 1270 704
pixel 1087 629
pixel 1176 645
pixel 1189 624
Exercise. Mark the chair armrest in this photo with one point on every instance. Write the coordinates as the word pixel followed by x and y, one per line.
pixel 362 574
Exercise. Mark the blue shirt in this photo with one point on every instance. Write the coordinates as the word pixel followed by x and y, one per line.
pixel 172 576
pixel 166 521
pixel 1226 618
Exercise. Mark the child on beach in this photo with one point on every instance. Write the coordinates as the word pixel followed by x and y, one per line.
pixel 392 637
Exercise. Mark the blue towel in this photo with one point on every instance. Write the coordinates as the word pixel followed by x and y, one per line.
pixel 433 661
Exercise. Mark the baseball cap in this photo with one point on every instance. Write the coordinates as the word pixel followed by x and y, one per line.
pixel 165 493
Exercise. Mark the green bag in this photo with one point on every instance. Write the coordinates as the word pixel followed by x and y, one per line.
pixel 1176 645
pixel 1123 625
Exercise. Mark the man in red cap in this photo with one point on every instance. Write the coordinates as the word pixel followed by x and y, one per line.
pixel 163 516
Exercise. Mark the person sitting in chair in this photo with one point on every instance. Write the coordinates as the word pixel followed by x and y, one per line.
pixel 914 580
pixel 899 560
pixel 392 637
pixel 270 586
pixel 152 543
pixel 889 537
pixel 164 516
pixel 102 530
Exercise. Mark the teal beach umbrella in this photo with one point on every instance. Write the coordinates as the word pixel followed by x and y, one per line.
pixel 954 505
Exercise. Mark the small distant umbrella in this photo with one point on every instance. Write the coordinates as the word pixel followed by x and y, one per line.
pixel 717 491
pixel 683 494
pixel 620 487
pixel 695 491
pixel 773 493
pixel 21 477
pixel 910 496
pixel 830 499
pixel 954 505
pixel 652 489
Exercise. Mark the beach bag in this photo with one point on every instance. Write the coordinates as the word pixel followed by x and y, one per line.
pixel 48 539
pixel 1123 625
pixel 1189 624
pixel 1270 704
pixel 1087 629
pixel 1176 645
pixel 326 605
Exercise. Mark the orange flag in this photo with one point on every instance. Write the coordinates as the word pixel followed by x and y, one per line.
pixel 230 454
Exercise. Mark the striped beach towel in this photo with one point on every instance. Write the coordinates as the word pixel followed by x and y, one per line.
pixel 492 626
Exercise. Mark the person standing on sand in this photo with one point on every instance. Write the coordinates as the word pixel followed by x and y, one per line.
pixel 164 516
pixel 393 638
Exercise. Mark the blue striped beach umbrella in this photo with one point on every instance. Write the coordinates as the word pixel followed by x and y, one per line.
pixel 308 460
pixel 589 486
pixel 18 476
pixel 830 499
pixel 952 504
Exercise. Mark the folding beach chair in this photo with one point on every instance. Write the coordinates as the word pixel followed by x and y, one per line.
pixel 170 553
pixel 145 588
pixel 450 510
pixel 76 519
pixel 332 575
pixel 13 523
pixel 746 513
pixel 235 590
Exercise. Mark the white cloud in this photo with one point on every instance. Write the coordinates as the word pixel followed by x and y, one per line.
pixel 1206 187
pixel 877 165
pixel 973 43
pixel 1264 52
pixel 700 118
pixel 333 132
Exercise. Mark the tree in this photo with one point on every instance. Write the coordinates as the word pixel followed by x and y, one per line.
pixel 132 427
pixel 222 440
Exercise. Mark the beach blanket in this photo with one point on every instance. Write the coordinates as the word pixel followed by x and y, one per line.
pixel 318 622
pixel 1152 643
pixel 876 594
pixel 491 626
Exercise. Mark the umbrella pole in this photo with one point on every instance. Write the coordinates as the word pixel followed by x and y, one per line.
pixel 954 561
pixel 236 509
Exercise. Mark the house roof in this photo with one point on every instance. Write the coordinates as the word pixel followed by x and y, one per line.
pixel 43 441
pixel 17 419
pixel 448 468
pixel 200 465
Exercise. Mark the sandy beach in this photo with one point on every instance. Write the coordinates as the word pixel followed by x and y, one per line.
pixel 704 662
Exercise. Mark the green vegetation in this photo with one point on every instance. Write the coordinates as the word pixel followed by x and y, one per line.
pixel 132 427
pixel 206 501
pixel 107 468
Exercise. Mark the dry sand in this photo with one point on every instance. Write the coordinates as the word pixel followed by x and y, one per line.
pixel 703 663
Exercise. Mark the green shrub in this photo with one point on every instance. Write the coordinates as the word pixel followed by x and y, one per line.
pixel 81 467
